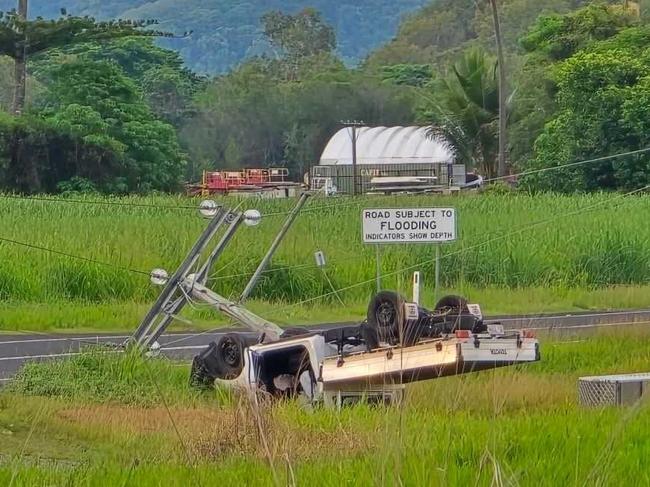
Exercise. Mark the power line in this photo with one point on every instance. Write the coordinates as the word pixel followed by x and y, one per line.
pixel 485 242
pixel 307 209
pixel 570 164
pixel 316 208
pixel 350 201
pixel 184 446
pixel 97 202
pixel 419 264
pixel 160 207
pixel 72 256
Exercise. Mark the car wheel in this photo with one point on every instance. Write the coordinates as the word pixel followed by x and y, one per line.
pixel 230 355
pixel 452 303
pixel 386 316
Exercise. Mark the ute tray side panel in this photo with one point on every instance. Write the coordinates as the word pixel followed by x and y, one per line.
pixel 427 360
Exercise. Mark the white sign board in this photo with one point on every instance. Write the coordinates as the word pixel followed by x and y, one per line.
pixel 408 225
pixel 320 258
pixel 411 311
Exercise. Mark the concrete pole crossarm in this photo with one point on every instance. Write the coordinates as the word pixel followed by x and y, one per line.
pixel 164 319
pixel 140 335
pixel 235 222
pixel 233 310
pixel 171 310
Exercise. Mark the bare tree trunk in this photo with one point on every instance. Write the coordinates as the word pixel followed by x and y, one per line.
pixel 21 160
pixel 19 85
pixel 20 65
pixel 503 115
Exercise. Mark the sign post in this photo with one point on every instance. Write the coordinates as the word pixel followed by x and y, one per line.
pixel 319 256
pixel 378 268
pixel 409 225
pixel 437 283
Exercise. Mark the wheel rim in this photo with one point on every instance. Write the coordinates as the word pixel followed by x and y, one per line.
pixel 386 315
pixel 230 353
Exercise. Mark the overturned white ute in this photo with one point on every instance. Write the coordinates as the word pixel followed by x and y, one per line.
pixel 398 343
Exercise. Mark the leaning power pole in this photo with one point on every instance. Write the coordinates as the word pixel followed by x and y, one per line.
pixel 503 115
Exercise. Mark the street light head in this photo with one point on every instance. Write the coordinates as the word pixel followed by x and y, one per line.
pixel 159 277
pixel 208 208
pixel 252 217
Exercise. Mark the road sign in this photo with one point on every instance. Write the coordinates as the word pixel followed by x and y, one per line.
pixel 409 225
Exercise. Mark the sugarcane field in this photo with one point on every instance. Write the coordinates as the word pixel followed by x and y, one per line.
pixel 324 243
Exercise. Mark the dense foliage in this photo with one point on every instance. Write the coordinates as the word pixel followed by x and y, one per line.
pixel 91 125
pixel 253 118
pixel 128 115
pixel 464 111
pixel 281 111
pixel 603 96
pixel 227 31
pixel 436 33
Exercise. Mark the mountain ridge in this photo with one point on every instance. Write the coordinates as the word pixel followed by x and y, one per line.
pixel 225 32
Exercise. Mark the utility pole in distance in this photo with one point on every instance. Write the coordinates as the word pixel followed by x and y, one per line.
pixel 503 116
pixel 20 60
pixel 353 124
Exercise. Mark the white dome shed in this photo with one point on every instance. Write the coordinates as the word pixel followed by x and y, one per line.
pixel 385 145
pixel 395 158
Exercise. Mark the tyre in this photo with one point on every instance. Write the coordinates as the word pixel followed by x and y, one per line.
pixel 456 315
pixel 386 316
pixel 205 368
pixel 452 303
pixel 229 355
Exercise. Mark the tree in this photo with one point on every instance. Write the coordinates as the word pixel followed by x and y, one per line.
pixel 167 84
pixel 301 35
pixel 417 75
pixel 255 118
pixel 463 111
pixel 550 40
pixel 92 125
pixel 557 37
pixel 603 95
pixel 21 38
pixel 148 153
pixel 298 37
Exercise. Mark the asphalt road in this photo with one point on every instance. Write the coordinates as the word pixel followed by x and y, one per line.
pixel 16 349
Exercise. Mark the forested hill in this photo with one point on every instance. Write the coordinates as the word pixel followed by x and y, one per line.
pixel 227 31
pixel 436 33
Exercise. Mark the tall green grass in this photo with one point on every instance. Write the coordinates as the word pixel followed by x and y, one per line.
pixel 607 244
pixel 106 375
pixel 511 426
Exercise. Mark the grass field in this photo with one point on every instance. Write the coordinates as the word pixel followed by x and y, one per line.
pixel 526 254
pixel 104 420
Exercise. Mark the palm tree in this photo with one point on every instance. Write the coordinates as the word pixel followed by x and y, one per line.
pixel 463 113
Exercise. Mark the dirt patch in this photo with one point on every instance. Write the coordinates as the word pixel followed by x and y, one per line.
pixel 211 434
pixel 132 419
pixel 258 431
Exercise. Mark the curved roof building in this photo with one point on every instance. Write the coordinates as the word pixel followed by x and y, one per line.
pixel 385 145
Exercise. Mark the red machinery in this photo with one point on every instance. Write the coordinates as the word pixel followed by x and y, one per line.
pixel 241 180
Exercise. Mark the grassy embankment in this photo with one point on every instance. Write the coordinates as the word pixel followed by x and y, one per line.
pixel 100 420
pixel 516 254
